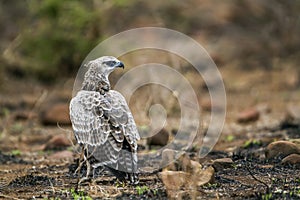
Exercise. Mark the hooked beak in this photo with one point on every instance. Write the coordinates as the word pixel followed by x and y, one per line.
pixel 120 64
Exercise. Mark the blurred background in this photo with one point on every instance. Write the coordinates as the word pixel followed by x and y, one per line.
pixel 47 40
pixel 254 43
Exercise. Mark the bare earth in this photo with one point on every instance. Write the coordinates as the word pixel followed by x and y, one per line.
pixel 33 167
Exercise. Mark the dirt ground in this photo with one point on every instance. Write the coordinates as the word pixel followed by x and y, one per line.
pixel 32 168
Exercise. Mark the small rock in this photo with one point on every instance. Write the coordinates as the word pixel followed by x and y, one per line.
pixel 222 163
pixel 62 155
pixel 293 159
pixel 249 115
pixel 161 138
pixel 58 142
pixel 56 114
pixel 281 148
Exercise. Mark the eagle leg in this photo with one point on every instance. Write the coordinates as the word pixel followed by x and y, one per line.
pixel 95 170
pixel 133 178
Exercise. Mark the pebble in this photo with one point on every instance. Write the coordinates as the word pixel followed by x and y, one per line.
pixel 281 148
pixel 161 138
pixel 293 159
pixel 56 114
pixel 222 163
pixel 248 115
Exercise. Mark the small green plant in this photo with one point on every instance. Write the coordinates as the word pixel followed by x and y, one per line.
pixel 235 166
pixel 155 191
pixel 79 195
pixel 230 138
pixel 267 196
pixel 120 184
pixel 16 152
pixel 294 192
pixel 251 142
pixel 141 190
pixel 211 185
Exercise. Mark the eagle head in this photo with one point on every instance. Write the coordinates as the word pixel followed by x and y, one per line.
pixel 96 77
pixel 104 65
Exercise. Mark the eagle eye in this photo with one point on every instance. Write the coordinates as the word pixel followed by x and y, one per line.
pixel 110 63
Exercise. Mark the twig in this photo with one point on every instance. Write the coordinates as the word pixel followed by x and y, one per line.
pixel 79 168
pixel 52 187
pixel 260 181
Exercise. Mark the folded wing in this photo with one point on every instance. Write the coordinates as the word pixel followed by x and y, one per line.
pixel 104 123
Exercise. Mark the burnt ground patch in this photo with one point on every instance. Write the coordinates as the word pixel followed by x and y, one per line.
pixel 8 159
pixel 252 178
pixel 31 180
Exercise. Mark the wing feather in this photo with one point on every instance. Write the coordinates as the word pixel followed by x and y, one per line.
pixel 86 114
pixel 94 117
pixel 123 117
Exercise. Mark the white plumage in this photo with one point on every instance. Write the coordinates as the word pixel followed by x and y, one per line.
pixel 102 122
